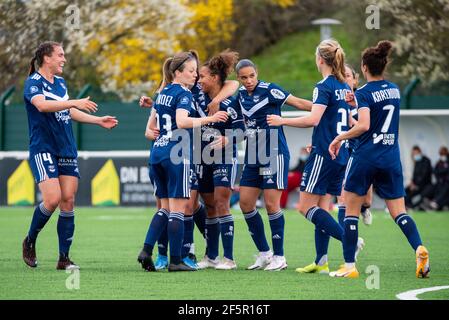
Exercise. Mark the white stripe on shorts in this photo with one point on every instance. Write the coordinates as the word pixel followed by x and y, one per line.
pixel 315 173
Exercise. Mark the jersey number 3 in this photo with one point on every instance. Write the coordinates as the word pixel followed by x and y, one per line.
pixel 167 125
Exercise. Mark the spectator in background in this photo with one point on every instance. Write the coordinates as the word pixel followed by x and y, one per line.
pixel 437 196
pixel 422 177
pixel 294 176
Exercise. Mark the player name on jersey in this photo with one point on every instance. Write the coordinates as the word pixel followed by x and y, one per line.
pixel 386 94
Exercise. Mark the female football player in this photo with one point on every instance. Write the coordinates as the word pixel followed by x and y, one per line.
pixel 376 160
pixel 195 211
pixel 170 158
pixel 53 154
pixel 320 265
pixel 323 176
pixel 266 162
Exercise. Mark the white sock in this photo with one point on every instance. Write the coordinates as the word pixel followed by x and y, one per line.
pixel 192 248
pixel 349 265
pixel 323 260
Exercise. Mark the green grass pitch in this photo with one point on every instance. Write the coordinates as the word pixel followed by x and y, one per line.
pixel 108 240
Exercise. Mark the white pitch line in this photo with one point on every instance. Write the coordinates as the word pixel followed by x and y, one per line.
pixel 412 294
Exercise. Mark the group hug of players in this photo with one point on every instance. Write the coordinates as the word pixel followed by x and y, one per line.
pixel 354 147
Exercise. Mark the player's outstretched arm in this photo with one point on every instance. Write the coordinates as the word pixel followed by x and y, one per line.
pixel 107 122
pixel 54 106
pixel 183 120
pixel 229 88
pixel 298 103
pixel 311 120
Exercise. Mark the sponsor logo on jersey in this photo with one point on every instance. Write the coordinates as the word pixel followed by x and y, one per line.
pixel 278 94
pixel 162 141
pixel 386 138
pixel 63 116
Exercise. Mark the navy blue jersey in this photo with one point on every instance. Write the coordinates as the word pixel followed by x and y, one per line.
pixel 331 93
pixel 49 131
pixel 380 143
pixel 170 99
pixel 266 99
pixel 235 121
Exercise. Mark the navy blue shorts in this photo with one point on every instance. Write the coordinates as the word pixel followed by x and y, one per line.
pixel 322 176
pixel 171 180
pixel 216 175
pixel 46 166
pixel 387 180
pixel 264 177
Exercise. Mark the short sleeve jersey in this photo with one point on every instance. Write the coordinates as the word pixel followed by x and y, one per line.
pixel 381 142
pixel 49 131
pixel 266 99
pixel 170 99
pixel 331 93
pixel 235 120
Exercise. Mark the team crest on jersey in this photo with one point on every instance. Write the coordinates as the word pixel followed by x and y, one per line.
pixel 34 89
pixel 315 95
pixel 278 94
pixel 232 113
pixel 256 98
pixel 185 100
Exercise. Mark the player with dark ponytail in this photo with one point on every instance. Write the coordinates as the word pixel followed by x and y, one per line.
pixel 216 175
pixel 376 160
pixel 53 153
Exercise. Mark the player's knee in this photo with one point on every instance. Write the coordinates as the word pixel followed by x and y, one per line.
pixel 67 203
pixel 52 201
pixel 221 206
pixel 189 208
pixel 303 208
pixel 272 206
pixel 246 206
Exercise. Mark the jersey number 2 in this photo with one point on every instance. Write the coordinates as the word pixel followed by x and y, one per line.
pixel 344 120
